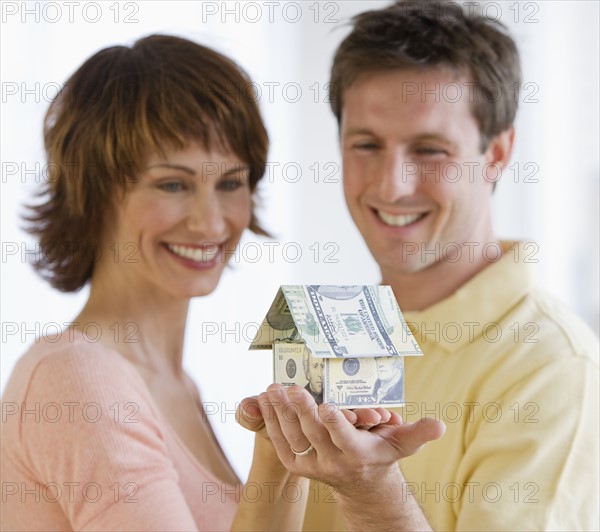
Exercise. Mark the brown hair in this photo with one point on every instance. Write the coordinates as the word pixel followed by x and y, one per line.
pixel 161 92
pixel 433 34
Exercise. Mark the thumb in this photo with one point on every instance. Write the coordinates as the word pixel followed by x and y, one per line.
pixel 248 414
pixel 410 437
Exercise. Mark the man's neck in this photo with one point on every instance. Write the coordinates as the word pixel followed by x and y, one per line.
pixel 422 289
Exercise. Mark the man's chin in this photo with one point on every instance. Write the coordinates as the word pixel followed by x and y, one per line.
pixel 397 266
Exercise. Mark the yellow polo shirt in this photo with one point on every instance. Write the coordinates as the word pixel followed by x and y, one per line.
pixel 514 375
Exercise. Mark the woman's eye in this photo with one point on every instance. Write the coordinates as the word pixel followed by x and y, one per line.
pixel 171 186
pixel 232 183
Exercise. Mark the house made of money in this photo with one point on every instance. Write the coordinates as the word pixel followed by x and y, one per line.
pixel 345 344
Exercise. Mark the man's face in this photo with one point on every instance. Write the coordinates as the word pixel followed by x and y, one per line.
pixel 389 368
pixel 414 174
pixel 314 373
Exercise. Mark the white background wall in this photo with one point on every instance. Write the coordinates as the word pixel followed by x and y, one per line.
pixel 288 50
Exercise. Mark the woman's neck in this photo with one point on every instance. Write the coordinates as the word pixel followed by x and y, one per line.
pixel 146 327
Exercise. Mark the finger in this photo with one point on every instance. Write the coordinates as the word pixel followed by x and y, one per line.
pixel 279 441
pixel 340 431
pixel 350 415
pixel 248 414
pixel 288 412
pixel 312 424
pixel 368 417
pixel 384 413
pixel 395 418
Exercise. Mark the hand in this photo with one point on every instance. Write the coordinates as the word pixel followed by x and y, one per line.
pixel 344 456
pixel 249 416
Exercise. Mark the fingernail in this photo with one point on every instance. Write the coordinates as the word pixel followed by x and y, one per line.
pixel 251 411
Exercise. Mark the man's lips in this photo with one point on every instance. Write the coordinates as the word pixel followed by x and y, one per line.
pixel 399 220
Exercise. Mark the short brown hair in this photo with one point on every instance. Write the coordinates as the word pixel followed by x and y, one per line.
pixel 432 34
pixel 163 91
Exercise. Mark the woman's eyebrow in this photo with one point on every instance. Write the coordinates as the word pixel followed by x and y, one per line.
pixel 238 168
pixel 174 167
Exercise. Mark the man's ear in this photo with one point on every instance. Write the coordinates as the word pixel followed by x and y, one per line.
pixel 498 154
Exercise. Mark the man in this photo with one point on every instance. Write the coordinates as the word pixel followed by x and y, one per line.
pixel 425 95
pixel 389 385
pixel 313 369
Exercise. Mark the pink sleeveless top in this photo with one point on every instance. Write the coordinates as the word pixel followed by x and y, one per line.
pixel 85 447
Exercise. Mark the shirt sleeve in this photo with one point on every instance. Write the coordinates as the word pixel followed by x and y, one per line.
pixel 93 438
pixel 535 466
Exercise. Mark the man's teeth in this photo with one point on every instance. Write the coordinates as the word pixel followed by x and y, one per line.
pixel 399 220
pixel 195 254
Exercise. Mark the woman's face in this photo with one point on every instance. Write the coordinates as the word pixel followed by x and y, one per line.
pixel 178 225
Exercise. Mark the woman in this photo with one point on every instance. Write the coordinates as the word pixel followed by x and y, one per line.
pixel 155 151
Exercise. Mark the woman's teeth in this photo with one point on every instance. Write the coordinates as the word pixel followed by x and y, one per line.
pixel 195 254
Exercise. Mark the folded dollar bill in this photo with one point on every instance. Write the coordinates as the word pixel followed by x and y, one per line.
pixel 345 344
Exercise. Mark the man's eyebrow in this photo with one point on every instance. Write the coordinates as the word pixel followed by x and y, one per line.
pixel 173 167
pixel 358 131
pixel 433 136
pixel 425 136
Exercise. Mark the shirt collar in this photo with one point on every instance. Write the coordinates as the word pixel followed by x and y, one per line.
pixel 481 302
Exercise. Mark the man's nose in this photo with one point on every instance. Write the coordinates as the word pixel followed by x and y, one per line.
pixel 398 176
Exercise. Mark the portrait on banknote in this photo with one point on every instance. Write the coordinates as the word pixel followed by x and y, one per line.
pixel 295 365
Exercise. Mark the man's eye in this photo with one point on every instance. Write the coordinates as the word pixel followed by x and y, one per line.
pixel 171 186
pixel 430 151
pixel 366 146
